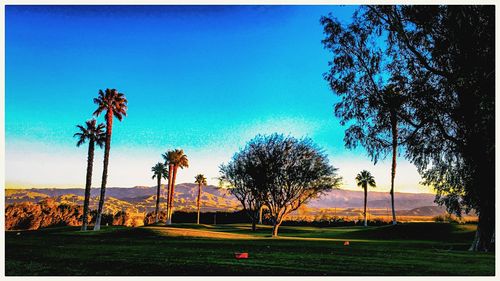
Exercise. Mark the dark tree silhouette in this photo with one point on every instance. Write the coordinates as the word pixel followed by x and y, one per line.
pixel 441 59
pixel 365 179
pixel 94 135
pixel 370 95
pixel 201 181
pixel 236 180
pixel 114 104
pixel 159 171
pixel 282 173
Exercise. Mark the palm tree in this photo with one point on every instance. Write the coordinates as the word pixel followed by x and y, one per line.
pixel 394 131
pixel 159 171
pixel 169 158
pixel 95 135
pixel 394 103
pixel 175 159
pixel 114 104
pixel 200 180
pixel 365 179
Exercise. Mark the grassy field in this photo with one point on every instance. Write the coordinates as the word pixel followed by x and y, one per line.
pixel 187 249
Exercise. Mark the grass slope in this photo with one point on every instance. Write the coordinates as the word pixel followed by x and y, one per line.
pixel 187 249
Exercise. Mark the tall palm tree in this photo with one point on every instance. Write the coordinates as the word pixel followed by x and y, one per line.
pixel 394 103
pixel 94 135
pixel 114 104
pixel 201 181
pixel 175 159
pixel 394 131
pixel 365 179
pixel 169 158
pixel 159 171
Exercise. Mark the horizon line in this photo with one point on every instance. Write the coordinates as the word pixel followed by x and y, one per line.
pixel 209 185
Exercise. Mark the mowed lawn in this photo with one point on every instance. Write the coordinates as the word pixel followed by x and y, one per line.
pixel 189 249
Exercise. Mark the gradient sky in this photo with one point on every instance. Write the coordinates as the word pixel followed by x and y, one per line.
pixel 203 78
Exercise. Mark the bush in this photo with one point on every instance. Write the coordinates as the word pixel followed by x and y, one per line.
pixel 46 213
pixel 448 218
pixel 49 213
pixel 150 218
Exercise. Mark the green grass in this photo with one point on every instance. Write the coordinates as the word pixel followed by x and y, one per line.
pixel 187 249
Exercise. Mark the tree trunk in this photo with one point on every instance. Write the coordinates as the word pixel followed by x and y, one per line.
pixel 198 203
pixel 169 191
pixel 394 155
pixel 169 183
pixel 172 192
pixel 485 234
pixel 364 212
pixel 88 185
pixel 276 225
pixel 157 210
pixel 107 146
pixel 260 214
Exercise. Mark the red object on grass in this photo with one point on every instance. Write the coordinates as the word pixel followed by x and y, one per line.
pixel 346 243
pixel 241 255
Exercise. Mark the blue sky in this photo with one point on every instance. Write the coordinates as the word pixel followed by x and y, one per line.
pixel 202 78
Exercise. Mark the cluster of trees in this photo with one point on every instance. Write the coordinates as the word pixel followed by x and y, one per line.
pixel 174 159
pixel 277 172
pixel 113 104
pixel 49 213
pixel 423 78
pixel 28 215
pixel 413 79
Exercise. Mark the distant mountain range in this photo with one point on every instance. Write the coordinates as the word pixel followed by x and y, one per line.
pixel 139 199
pixel 142 199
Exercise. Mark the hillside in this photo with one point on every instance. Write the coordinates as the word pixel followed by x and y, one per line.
pixel 141 199
pixel 134 200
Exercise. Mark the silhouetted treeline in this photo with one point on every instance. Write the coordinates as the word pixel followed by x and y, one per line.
pixel 242 217
pixel 205 218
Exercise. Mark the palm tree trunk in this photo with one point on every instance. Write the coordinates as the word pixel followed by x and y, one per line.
pixel 157 211
pixel 172 191
pixel 88 185
pixel 366 195
pixel 198 203
pixel 393 169
pixel 169 192
pixel 107 147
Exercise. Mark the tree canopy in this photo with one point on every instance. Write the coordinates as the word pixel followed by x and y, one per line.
pixel 280 172
pixel 440 61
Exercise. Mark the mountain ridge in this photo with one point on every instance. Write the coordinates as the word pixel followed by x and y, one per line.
pixel 214 196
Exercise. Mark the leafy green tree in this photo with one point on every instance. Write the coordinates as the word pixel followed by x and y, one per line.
pixel 115 105
pixel 201 181
pixel 363 180
pixel 159 171
pixel 175 159
pixel 95 135
pixel 441 60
